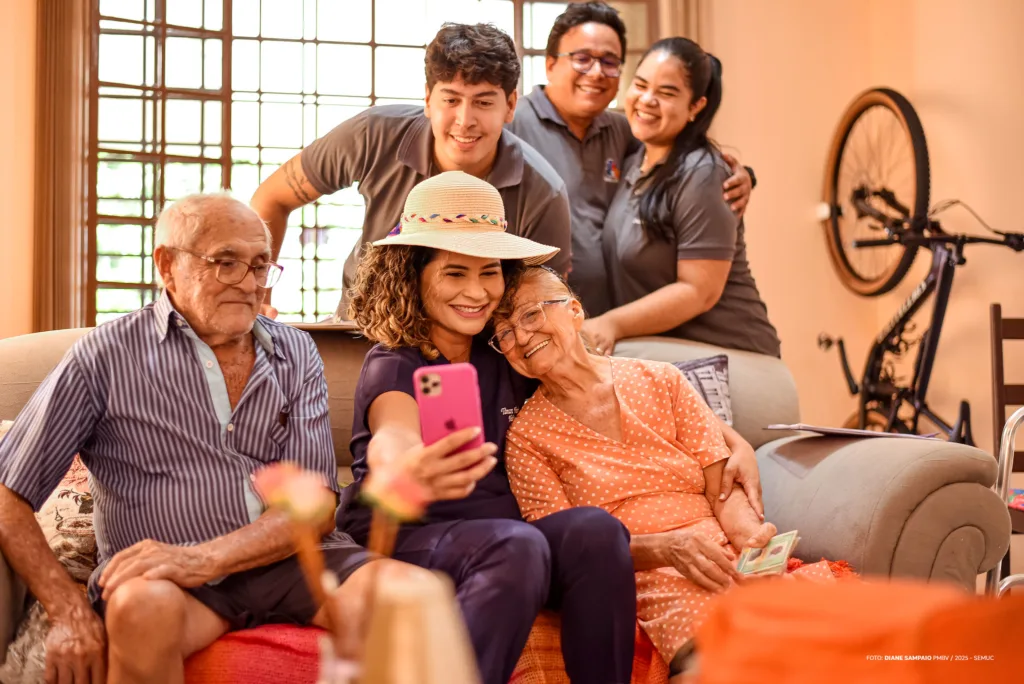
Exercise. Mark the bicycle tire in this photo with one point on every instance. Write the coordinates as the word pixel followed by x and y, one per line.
pixel 891 276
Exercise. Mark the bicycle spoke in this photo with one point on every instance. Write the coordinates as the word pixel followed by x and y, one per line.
pixel 876 157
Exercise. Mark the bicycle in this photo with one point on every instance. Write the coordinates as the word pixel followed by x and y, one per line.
pixel 875 221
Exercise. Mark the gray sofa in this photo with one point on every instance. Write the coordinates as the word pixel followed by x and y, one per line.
pixel 890 507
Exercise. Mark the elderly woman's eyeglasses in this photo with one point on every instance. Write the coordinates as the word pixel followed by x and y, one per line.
pixel 531 320
pixel 233 271
pixel 582 61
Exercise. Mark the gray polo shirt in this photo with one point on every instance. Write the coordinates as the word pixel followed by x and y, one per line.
pixel 591 171
pixel 389 149
pixel 705 228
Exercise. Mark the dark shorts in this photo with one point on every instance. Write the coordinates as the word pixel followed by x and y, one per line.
pixel 272 594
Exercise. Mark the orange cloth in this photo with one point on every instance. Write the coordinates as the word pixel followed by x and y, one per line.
pixel 799 632
pixel 265 655
pixel 541 662
pixel 653 481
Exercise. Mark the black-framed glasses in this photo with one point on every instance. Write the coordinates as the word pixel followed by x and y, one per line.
pixel 531 320
pixel 582 61
pixel 233 271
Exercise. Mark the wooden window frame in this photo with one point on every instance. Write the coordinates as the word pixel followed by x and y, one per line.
pixel 154 152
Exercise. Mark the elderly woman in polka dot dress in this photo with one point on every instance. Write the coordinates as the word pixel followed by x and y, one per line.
pixel 634 438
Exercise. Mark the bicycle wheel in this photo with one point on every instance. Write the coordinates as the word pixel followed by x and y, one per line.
pixel 878 147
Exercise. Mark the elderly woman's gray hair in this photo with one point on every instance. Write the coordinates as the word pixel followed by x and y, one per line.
pixel 553 280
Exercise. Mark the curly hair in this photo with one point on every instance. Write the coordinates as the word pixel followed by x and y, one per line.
pixel 385 300
pixel 479 53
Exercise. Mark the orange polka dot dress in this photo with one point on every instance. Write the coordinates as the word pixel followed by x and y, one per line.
pixel 653 481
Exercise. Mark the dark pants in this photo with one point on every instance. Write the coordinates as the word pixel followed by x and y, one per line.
pixel 576 562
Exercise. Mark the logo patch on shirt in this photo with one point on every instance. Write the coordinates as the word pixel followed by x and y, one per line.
pixel 510 412
pixel 611 171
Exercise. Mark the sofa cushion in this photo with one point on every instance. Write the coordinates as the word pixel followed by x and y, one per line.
pixel 66 521
pixel 265 655
pixel 761 388
pixel 24 362
pixel 710 377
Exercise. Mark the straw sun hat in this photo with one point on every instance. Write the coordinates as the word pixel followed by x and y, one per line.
pixel 460 213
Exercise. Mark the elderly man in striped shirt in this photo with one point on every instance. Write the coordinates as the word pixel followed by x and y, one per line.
pixel 172 409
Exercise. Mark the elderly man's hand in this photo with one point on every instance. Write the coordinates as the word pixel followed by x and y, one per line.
pixel 186 566
pixel 76 648
pixel 601 334
pixel 703 561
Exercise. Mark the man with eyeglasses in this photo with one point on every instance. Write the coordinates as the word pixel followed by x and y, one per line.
pixel 568 122
pixel 471 73
pixel 172 409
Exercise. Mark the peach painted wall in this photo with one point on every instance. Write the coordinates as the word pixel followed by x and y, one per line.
pixel 789 69
pixel 17 168
pixel 791 66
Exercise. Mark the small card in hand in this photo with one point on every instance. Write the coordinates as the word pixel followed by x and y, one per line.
pixel 772 559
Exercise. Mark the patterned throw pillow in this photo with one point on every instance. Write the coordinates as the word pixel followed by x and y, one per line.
pixel 710 377
pixel 66 521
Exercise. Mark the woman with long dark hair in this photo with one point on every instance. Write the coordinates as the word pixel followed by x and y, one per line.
pixel 674 250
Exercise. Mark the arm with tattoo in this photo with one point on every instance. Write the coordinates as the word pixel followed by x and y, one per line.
pixel 297 181
pixel 286 190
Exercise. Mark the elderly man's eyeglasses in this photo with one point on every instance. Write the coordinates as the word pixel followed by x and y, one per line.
pixel 531 320
pixel 583 62
pixel 233 271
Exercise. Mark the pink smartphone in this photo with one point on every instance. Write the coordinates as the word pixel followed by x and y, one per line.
pixel 448 397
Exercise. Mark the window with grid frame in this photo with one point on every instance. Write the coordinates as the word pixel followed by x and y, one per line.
pixel 202 95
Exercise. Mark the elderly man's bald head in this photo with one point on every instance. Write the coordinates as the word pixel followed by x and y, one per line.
pixel 185 223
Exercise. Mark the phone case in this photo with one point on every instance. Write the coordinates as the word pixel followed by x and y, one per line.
pixel 448 397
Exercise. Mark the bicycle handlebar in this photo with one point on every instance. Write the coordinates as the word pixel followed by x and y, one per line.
pixel 1014 241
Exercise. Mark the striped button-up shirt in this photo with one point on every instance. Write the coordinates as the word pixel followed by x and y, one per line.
pixel 143 401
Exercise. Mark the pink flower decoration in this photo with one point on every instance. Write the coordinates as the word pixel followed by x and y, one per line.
pixel 301 493
pixel 394 491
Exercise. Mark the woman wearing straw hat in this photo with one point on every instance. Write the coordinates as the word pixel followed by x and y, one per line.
pixel 424 293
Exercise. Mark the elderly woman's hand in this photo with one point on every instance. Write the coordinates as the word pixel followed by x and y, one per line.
pixel 703 561
pixel 759 537
pixel 601 334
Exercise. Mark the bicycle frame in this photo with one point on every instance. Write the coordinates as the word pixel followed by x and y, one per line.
pixel 879 392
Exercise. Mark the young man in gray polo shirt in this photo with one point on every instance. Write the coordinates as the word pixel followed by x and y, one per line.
pixel 472 73
pixel 568 122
